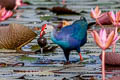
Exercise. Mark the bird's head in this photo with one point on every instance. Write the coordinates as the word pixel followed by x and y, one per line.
pixel 82 20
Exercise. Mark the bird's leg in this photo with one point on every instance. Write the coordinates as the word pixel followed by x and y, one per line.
pixel 66 53
pixel 81 58
pixel 41 51
pixel 67 62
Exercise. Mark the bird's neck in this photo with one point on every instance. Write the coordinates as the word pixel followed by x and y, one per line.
pixel 54 31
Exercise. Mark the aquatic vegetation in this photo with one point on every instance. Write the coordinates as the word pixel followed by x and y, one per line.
pixel 60 10
pixel 4 14
pixel 28 2
pixel 32 19
pixel 115 18
pixel 11 4
pixel 26 58
pixel 103 42
pixel 101 18
pixel 46 18
pixel 35 47
pixel 15 36
pixel 103 39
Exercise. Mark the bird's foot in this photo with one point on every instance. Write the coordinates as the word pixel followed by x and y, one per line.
pixel 66 63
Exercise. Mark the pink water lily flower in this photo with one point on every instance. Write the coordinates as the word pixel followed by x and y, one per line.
pixel 115 18
pixel 102 39
pixel 4 14
pixel 95 13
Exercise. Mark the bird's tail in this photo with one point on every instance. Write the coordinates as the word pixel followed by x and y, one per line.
pixel 90 24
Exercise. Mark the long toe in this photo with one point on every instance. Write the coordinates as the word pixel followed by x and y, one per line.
pixel 66 63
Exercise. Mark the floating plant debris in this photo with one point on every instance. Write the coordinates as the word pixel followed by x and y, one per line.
pixel 60 10
pixel 15 36
pixel 112 59
pixel 28 2
pixel 47 49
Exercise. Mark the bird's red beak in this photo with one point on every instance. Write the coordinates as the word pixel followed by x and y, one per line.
pixel 42 30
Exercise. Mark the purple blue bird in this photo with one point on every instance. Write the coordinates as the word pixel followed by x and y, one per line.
pixel 70 37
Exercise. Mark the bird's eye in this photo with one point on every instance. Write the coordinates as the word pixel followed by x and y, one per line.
pixel 45 28
pixel 81 18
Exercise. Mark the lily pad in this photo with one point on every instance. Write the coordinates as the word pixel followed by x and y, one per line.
pixel 26 58
pixel 35 47
pixel 46 17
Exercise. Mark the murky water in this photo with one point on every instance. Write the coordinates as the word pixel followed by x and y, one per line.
pixel 50 65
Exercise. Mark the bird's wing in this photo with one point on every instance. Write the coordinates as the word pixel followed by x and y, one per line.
pixel 62 37
pixel 65 33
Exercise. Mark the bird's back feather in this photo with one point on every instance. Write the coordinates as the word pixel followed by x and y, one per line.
pixel 72 35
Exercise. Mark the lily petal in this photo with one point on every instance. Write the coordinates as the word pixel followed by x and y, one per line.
pixel 103 36
pixel 101 32
pixel 97 11
pixel 116 37
pixel 92 14
pixel 112 16
pixel 97 39
pixel 2 12
pixel 117 17
pixel 109 39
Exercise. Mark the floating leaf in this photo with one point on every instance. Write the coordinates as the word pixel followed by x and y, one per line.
pixel 15 36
